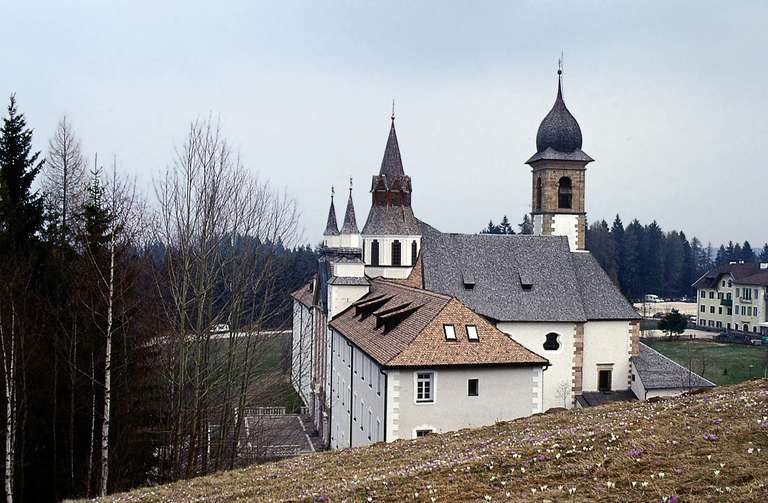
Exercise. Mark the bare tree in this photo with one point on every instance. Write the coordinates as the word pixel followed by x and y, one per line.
pixel 217 224
pixel 8 347
pixel 64 174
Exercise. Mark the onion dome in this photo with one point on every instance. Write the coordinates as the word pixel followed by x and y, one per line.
pixel 559 128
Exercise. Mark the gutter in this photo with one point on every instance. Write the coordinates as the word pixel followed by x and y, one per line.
pixel 351 389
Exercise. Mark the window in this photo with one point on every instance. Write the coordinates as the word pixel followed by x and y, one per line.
pixel 711 295
pixel 719 295
pixel 450 332
pixel 362 411
pixel 730 310
pixel 375 252
pixel 370 423
pixel 730 283
pixel 538 193
pixel 396 252
pixel 719 310
pixel 425 392
pixel 472 333
pixel 747 293
pixel 472 387
pixel 423 433
pixel 703 294
pixel 712 309
pixel 729 326
pixel 414 252
pixel 722 283
pixel 703 308
pixel 564 193
pixel 552 344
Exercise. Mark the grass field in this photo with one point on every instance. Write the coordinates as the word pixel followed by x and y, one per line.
pixel 720 363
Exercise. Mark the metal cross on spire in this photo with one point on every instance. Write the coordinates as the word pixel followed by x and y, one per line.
pixel 332 192
pixel 393 109
pixel 350 185
pixel 560 64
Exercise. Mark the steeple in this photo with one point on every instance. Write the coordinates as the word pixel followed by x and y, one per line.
pixel 331 228
pixel 350 224
pixel 392 163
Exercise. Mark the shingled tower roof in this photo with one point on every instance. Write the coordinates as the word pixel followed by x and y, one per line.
pixel 331 227
pixel 559 134
pixel 392 163
pixel 350 223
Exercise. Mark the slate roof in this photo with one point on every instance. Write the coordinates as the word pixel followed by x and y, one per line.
pixel 350 223
pixel 745 274
pixel 594 398
pixel 391 220
pixel 392 163
pixel 565 286
pixel 656 371
pixel 348 280
pixel 418 339
pixel 331 227
pixel 559 134
pixel 305 293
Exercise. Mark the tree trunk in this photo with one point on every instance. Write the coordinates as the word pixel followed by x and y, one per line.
pixel 89 480
pixel 108 371
pixel 9 380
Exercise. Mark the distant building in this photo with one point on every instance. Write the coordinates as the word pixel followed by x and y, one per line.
pixel 658 376
pixel 734 297
pixel 407 330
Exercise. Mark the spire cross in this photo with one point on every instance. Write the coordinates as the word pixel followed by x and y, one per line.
pixel 332 193
pixel 393 109
pixel 560 64
pixel 350 185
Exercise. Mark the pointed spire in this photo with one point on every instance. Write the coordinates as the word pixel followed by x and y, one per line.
pixel 331 228
pixel 350 223
pixel 392 164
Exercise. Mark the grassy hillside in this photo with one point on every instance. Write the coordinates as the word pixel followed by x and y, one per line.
pixel 711 446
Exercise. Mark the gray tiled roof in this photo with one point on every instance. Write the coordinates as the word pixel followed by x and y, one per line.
pixel 331 227
pixel 348 280
pixel 656 371
pixel 551 154
pixel 565 286
pixel 391 220
pixel 350 223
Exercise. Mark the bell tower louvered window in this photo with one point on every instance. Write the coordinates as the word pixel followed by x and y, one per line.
pixel 414 252
pixel 375 252
pixel 565 193
pixel 397 253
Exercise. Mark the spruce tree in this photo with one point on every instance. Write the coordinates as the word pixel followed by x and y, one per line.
pixel 526 226
pixel 747 254
pixel 505 227
pixel 722 256
pixel 21 208
pixel 764 253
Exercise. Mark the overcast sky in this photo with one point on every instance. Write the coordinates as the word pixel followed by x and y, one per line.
pixel 671 98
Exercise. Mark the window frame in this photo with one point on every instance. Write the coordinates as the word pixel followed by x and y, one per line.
pixel 476 382
pixel 472 337
pixel 452 336
pixel 431 380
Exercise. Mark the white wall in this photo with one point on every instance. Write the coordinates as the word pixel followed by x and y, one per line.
pixel 349 269
pixel 559 375
pixel 302 354
pixel 385 248
pixel 504 393
pixel 566 225
pixel 358 394
pixel 332 241
pixel 341 297
pixel 350 240
pixel 606 342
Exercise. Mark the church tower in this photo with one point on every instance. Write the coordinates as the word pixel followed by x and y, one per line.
pixel 392 234
pixel 559 168
pixel 331 235
pixel 350 235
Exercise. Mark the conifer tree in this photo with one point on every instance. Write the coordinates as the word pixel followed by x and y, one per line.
pixel 526 226
pixel 764 253
pixel 21 208
pixel 747 254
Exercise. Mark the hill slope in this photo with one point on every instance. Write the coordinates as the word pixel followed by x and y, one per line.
pixel 710 446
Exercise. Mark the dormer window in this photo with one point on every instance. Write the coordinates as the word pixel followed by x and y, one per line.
pixel 472 333
pixel 450 332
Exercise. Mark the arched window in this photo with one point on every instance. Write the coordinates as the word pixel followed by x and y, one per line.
pixel 414 252
pixel 551 344
pixel 375 252
pixel 396 252
pixel 564 193
pixel 538 194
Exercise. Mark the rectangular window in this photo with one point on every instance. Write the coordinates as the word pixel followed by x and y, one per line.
pixel 703 294
pixel 723 283
pixel 472 333
pixel 422 433
pixel 712 309
pixel 730 310
pixel 472 386
pixel 719 310
pixel 425 392
pixel 450 332
pixel 711 295
pixel 720 294
pixel 362 411
pixel 370 423
pixel 703 308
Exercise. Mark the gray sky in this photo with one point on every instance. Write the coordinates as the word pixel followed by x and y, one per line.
pixel 670 96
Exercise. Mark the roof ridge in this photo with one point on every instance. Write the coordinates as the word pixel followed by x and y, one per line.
pixel 391 282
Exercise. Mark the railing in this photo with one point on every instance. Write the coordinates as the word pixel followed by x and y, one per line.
pixel 264 411
pixel 726 302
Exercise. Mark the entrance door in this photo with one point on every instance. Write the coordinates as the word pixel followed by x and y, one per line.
pixel 604 380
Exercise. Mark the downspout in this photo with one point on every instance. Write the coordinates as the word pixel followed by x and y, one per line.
pixel 386 382
pixel 351 389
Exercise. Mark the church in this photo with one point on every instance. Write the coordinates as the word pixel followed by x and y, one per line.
pixel 407 330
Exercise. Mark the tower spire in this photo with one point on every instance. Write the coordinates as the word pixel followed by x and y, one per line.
pixel 392 163
pixel 350 223
pixel 331 227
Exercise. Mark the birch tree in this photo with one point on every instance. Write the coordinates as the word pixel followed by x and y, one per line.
pixel 213 220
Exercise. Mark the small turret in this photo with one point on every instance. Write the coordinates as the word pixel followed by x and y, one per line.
pixel 331 236
pixel 350 234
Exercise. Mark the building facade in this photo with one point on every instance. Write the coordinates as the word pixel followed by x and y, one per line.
pixel 420 331
pixel 734 297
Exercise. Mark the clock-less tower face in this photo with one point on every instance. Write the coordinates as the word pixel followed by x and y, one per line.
pixel 558 176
